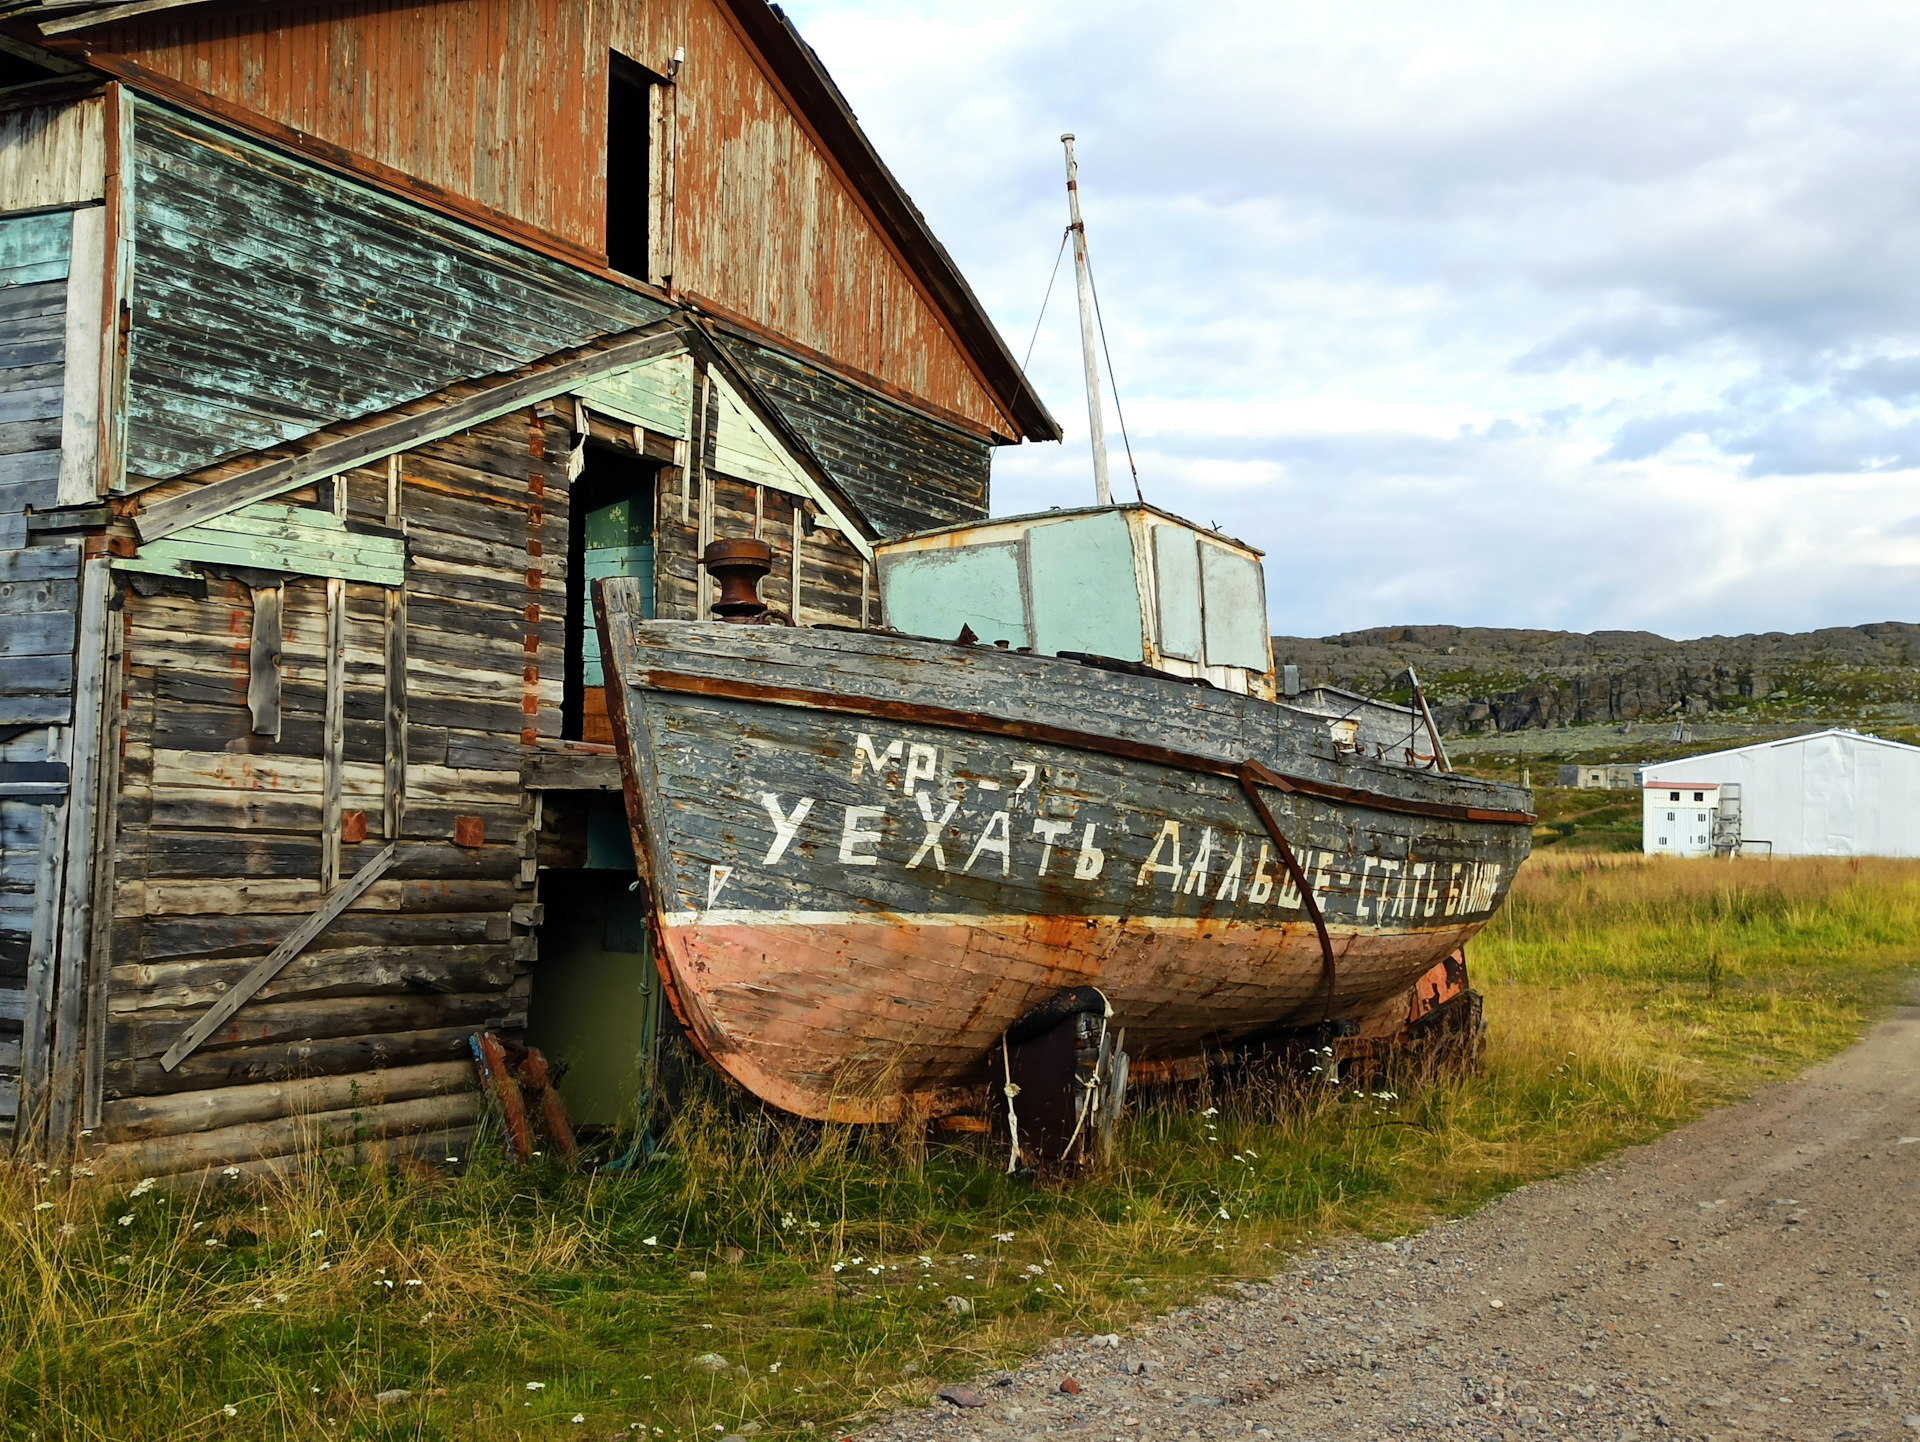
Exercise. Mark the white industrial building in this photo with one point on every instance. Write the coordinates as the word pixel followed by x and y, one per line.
pixel 1834 793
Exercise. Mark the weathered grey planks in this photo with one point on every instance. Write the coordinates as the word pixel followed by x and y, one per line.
pixel 272 298
pixel 243 990
pixel 165 517
pixel 225 832
pixel 1146 711
pixel 904 470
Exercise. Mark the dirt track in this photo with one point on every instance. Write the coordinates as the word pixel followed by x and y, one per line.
pixel 1750 1275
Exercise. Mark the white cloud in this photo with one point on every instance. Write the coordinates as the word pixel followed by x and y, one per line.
pixel 1594 317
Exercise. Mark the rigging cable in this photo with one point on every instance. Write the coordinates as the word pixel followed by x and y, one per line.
pixel 1047 297
pixel 1113 381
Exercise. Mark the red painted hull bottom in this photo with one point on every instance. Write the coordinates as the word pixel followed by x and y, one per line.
pixel 872 1019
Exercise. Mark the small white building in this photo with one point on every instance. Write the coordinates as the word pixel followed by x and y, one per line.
pixel 1833 793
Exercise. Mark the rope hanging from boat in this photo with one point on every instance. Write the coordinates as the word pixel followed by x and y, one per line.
pixel 1089 1085
pixel 1013 1121
pixel 1252 774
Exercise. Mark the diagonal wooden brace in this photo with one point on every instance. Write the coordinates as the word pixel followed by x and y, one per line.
pixel 243 990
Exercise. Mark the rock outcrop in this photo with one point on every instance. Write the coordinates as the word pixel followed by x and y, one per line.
pixel 1486 679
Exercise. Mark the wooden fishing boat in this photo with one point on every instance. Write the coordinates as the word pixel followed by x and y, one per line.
pixel 871 856
pixel 1052 824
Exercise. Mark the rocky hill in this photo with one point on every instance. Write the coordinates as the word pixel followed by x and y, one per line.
pixel 1484 679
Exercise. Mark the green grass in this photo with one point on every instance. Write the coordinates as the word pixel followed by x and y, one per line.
pixel 1623 995
pixel 1591 820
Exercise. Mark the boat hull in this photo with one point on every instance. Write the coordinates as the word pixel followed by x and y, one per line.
pixel 852 908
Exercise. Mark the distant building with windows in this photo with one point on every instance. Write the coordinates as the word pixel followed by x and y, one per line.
pixel 1612 776
pixel 1831 793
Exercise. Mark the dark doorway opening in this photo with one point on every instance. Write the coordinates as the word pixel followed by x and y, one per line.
pixel 609 533
pixel 630 105
pixel 595 1008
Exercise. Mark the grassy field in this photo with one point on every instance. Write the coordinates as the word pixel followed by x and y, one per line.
pixel 1623 995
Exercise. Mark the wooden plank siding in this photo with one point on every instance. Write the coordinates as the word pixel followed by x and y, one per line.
pixel 220 847
pixel 39 582
pixel 272 298
pixel 906 471
pixel 52 148
pixel 480 107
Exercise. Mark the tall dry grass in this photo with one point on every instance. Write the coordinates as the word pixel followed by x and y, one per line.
pixel 1622 996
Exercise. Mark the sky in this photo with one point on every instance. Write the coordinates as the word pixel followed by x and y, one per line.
pixel 1574 316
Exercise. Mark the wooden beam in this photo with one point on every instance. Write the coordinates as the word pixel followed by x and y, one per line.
pixel 79 481
pixel 163 518
pixel 571 771
pixel 394 780
pixel 706 398
pixel 107 14
pixel 793 586
pixel 42 950
pixel 106 833
pixel 334 735
pixel 263 661
pixel 243 990
pixel 89 682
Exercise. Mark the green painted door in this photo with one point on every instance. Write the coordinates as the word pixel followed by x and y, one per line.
pixel 619 542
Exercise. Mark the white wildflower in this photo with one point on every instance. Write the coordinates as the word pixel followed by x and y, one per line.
pixel 43 1206
pixel 326 1266
pixel 1224 1216
pixel 231 1172
pixel 1211 1112
pixel 315 1234
pixel 649 1241
pixel 536 1386
pixel 1003 1236
pixel 145 1185
pixel 231 1410
pixel 839 1266
pixel 579 1416
pixel 416 1282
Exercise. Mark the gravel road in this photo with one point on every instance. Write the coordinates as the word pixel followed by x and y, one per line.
pixel 1750 1275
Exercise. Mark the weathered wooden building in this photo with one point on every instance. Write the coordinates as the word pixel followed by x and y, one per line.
pixel 341 345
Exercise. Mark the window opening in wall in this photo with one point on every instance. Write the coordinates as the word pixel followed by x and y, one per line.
pixel 630 167
pixel 609 533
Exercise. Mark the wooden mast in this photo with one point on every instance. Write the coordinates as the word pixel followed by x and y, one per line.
pixel 1096 429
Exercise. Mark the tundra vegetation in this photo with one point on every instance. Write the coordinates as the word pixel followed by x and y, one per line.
pixel 759 1280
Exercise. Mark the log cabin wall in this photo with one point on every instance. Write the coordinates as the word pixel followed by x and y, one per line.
pixel 362 1036
pixel 479 106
